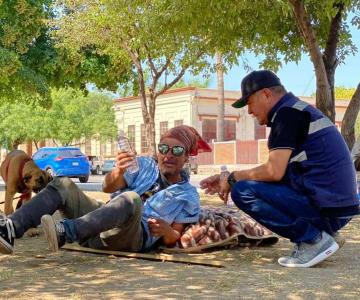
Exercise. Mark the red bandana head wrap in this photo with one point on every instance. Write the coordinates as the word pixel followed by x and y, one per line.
pixel 188 136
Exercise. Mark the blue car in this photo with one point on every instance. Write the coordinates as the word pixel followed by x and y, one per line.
pixel 108 165
pixel 63 161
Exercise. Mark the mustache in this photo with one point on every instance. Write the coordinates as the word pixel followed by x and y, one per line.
pixel 171 161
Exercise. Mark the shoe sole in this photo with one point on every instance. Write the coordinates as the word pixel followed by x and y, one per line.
pixel 48 226
pixel 317 259
pixel 5 247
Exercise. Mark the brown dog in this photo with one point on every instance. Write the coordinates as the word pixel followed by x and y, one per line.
pixel 21 175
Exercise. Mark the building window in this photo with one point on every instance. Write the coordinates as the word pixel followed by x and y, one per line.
pixel 144 145
pixel 131 136
pixel 178 122
pixel 209 129
pixel 230 130
pixel 163 127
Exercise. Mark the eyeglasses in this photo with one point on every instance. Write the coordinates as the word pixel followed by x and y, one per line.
pixel 176 150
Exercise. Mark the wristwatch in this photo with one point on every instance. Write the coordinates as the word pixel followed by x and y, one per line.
pixel 231 179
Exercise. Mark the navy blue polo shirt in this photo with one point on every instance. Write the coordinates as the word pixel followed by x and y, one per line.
pixel 288 131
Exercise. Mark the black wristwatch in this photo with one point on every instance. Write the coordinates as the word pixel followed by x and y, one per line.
pixel 231 179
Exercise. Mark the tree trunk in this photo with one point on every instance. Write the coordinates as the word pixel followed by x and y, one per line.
pixel 330 74
pixel 221 102
pixel 150 128
pixel 348 123
pixel 330 53
pixel 150 137
pixel 148 107
pixel 323 92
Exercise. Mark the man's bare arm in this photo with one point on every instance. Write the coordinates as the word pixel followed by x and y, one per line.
pixel 173 235
pixel 169 233
pixel 114 180
pixel 273 170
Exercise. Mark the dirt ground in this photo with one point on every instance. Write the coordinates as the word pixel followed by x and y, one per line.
pixel 249 273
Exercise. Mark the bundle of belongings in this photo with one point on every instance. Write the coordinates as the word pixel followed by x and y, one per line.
pixel 222 226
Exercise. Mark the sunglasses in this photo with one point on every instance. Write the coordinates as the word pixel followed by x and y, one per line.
pixel 176 150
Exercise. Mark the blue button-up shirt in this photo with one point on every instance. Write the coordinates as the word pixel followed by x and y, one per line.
pixel 177 203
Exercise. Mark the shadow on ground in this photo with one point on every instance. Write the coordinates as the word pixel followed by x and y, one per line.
pixel 249 273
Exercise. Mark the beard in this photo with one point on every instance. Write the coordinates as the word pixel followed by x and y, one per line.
pixel 167 173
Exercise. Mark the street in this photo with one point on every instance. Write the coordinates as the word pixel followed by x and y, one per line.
pixel 95 181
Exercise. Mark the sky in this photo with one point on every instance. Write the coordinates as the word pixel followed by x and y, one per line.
pixel 300 78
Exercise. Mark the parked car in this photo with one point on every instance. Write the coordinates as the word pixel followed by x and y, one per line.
pixel 63 161
pixel 108 165
pixel 96 163
pixel 191 165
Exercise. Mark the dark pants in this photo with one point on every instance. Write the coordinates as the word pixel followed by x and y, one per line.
pixel 113 226
pixel 284 211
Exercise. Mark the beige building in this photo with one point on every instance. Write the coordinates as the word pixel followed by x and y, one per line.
pixel 197 107
pixel 192 106
pixel 245 141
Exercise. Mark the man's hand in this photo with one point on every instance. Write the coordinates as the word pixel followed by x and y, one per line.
pixel 122 160
pixel 169 233
pixel 224 190
pixel 211 184
pixel 114 180
pixel 158 227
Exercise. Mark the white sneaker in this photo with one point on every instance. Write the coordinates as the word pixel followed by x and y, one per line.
pixel 7 235
pixel 307 255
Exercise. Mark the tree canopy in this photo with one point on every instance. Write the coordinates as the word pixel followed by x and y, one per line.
pixel 139 36
pixel 69 43
pixel 72 116
pixel 283 31
pixel 22 23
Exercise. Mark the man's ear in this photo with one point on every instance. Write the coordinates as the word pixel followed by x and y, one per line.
pixel 268 94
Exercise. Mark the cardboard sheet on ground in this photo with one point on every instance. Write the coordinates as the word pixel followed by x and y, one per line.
pixel 222 226
pixel 148 256
pixel 217 227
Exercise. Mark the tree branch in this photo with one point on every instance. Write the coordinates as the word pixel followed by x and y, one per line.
pixel 136 60
pixel 177 78
pixel 333 38
pixel 165 66
pixel 151 63
pixel 323 92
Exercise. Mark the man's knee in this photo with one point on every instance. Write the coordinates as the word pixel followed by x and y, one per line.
pixel 242 193
pixel 63 183
pixel 241 189
pixel 128 201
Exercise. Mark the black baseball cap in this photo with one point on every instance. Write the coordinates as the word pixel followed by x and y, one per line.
pixel 253 82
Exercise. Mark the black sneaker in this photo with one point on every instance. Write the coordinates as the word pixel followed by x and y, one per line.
pixel 54 232
pixel 7 235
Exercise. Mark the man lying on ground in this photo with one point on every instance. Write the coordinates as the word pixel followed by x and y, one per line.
pixel 155 202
